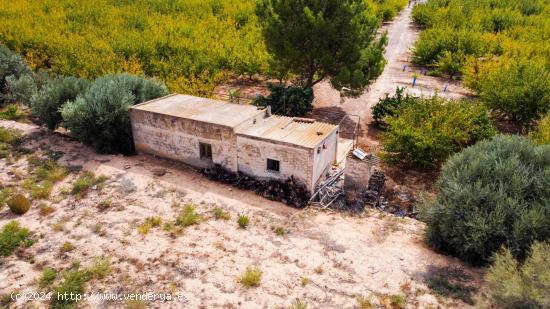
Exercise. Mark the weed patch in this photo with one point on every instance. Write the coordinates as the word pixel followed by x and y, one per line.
pixel 187 216
pixel 149 223
pixel 221 214
pixel 243 221
pixel 12 237
pixel 47 278
pixel 87 180
pixel 251 277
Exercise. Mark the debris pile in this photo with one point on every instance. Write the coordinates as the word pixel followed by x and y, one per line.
pixel 289 191
pixel 375 188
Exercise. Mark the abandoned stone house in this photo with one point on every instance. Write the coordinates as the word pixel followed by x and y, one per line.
pixel 241 138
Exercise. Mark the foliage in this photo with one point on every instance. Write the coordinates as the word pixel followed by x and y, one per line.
pixel 100 115
pixel 542 134
pixel 251 277
pixel 11 112
pixel 83 183
pixel 189 44
pixel 388 106
pixel 74 281
pixel 493 193
pixel 47 278
pixel 10 139
pixel 518 88
pixel 149 223
pixel 10 136
pixel 20 89
pixel 320 39
pixel 287 101
pixel 13 236
pixel 279 230
pixel 220 214
pixel 46 104
pixel 512 285
pixel 188 216
pixel 425 132
pixel 243 221
pixel 386 10
pixel 18 204
pixel 12 68
pixel 499 46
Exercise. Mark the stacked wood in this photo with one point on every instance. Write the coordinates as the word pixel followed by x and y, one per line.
pixel 375 189
pixel 289 191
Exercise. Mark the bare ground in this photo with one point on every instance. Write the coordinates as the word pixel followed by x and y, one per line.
pixel 342 256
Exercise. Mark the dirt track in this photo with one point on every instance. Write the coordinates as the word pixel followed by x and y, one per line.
pixel 402 34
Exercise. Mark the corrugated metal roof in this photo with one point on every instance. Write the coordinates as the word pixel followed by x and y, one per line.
pixel 297 131
pixel 200 109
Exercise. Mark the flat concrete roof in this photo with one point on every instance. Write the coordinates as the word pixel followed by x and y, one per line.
pixel 200 109
pixel 296 131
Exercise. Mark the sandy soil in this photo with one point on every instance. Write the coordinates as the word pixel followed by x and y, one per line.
pixel 343 256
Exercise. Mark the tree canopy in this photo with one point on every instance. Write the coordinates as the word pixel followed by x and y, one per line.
pixel 492 194
pixel 314 40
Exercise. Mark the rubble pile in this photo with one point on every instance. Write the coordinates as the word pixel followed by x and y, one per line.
pixel 289 191
pixel 375 188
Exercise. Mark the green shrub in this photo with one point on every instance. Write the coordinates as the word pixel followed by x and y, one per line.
pixel 4 196
pixel 279 230
pixel 100 115
pixel 13 236
pixel 425 132
pixel 220 214
pixel 47 278
pixel 541 134
pixel 46 104
pixel 187 216
pixel 491 194
pixel 83 183
pixel 498 47
pixel 515 285
pixel 514 88
pixel 74 281
pixel 20 89
pixel 66 247
pixel 18 204
pixel 389 106
pixel 251 277
pixel 51 171
pixel 287 101
pixel 12 112
pixel 148 224
pixel 99 268
pixel 12 66
pixel 40 190
pixel 243 221
pixel 10 136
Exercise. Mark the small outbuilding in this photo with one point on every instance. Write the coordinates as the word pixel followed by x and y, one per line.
pixel 241 138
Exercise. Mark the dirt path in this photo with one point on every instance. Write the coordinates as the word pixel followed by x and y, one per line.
pixel 325 259
pixel 402 34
